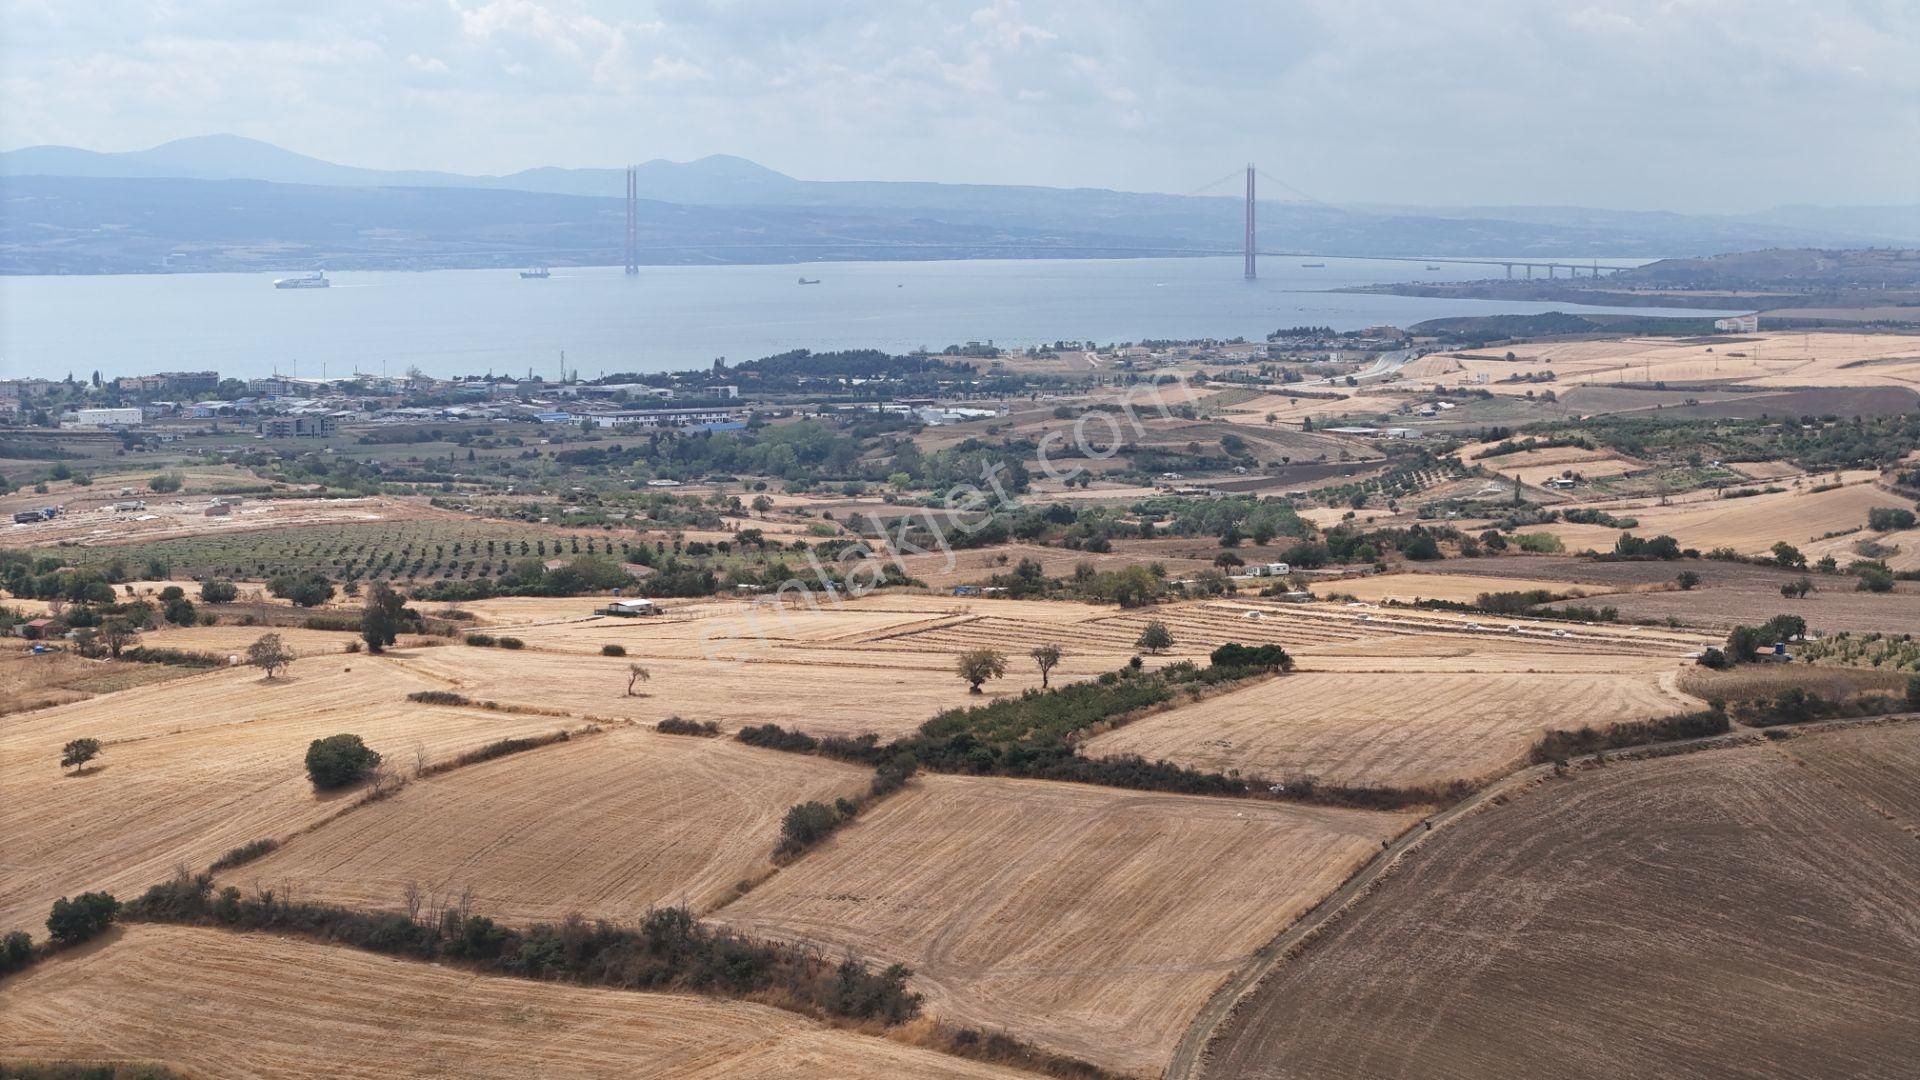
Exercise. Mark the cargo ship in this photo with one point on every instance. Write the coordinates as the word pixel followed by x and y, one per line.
pixel 536 272
pixel 315 280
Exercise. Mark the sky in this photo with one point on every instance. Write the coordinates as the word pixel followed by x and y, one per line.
pixel 1687 105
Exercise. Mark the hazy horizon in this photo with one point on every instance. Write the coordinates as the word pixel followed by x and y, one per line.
pixel 1696 106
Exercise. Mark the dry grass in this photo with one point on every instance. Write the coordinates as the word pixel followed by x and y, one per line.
pixel 1749 682
pixel 1722 914
pixel 608 825
pixel 194 767
pixel 212 1003
pixel 1399 728
pixel 29 682
pixel 1090 921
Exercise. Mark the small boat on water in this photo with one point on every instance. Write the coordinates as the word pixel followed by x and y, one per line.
pixel 536 272
pixel 1433 268
pixel 809 281
pixel 315 280
pixel 1314 266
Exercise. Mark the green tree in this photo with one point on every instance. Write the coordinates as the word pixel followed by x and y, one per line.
pixel 217 591
pixel 180 611
pixel 1786 554
pixel 1420 547
pixel 118 633
pixel 1155 638
pixel 1873 578
pixel 636 675
pixel 165 483
pixel 1687 580
pixel 1046 658
pixel 82 917
pixel 1913 692
pixel 339 760
pixel 306 590
pixel 78 752
pixel 976 666
pixel 16 951
pixel 380 619
pixel 269 653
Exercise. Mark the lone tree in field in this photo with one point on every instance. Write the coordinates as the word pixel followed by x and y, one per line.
pixel 117 634
pixel 636 675
pixel 1156 638
pixel 978 665
pixel 1686 579
pixel 1046 658
pixel 269 654
pixel 380 621
pixel 78 752
pixel 339 760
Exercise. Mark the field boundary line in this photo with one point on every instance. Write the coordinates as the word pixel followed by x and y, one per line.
pixel 1190 1055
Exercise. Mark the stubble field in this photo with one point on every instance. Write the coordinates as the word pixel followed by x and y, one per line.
pixel 194 767
pixel 215 1003
pixel 1720 914
pixel 1390 728
pixel 608 825
pixel 1091 921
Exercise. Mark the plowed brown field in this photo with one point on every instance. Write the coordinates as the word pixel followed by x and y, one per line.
pixel 1091 921
pixel 608 825
pixel 1721 914
pixel 212 1003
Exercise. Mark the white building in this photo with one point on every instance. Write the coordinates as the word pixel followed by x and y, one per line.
pixel 1739 324
pixel 108 417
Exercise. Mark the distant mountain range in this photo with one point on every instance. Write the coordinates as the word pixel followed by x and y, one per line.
pixel 223 202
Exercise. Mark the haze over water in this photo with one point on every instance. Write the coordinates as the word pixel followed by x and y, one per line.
pixel 457 322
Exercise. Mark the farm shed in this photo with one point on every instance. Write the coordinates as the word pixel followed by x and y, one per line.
pixel 630 608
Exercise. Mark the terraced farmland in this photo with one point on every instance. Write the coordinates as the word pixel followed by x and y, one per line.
pixel 1091 921
pixel 607 825
pixel 214 1003
pixel 1720 914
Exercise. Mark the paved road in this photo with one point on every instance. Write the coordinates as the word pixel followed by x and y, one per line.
pixel 1189 1057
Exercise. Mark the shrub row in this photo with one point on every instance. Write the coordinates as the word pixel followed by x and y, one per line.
pixel 244 854
pixel 674 725
pixel 668 949
pixel 1035 736
pixel 147 654
pixel 439 697
pixel 1559 745
pixel 496 749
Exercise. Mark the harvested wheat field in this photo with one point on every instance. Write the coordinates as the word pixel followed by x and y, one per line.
pixel 215 1003
pixel 1398 728
pixel 1462 588
pixel 1090 921
pixel 196 766
pixel 608 825
pixel 1719 914
pixel 1748 525
pixel 827 695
